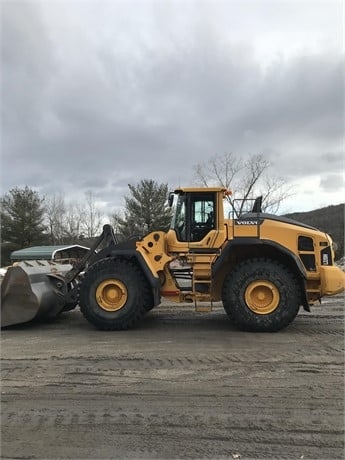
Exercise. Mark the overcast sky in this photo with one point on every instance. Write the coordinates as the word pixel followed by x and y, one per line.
pixel 99 94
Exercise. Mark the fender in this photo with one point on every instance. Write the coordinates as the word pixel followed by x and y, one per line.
pixel 152 280
pixel 128 251
pixel 259 243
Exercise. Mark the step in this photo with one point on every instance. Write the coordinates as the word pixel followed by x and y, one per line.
pixel 203 308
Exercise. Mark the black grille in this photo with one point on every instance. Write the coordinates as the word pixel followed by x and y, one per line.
pixel 305 243
pixel 308 261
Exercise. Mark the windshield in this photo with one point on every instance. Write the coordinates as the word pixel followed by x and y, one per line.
pixel 179 217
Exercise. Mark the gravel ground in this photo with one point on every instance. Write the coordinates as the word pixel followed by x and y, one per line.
pixel 181 385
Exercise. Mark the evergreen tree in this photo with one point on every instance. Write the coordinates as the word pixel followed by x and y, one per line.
pixel 146 209
pixel 22 215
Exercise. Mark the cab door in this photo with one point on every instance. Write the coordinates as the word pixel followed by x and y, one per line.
pixel 195 223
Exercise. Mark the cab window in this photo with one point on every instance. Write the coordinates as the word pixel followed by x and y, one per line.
pixel 194 216
pixel 202 213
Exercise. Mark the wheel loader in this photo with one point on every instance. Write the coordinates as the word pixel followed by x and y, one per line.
pixel 262 267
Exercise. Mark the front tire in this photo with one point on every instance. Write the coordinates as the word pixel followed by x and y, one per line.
pixel 261 295
pixel 111 294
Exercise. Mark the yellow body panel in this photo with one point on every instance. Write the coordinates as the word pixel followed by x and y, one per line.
pixel 159 249
pixel 332 280
pixel 153 249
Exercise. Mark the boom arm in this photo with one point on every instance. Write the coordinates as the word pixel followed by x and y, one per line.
pixel 108 236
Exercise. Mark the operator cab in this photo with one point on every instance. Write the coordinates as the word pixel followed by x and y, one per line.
pixel 194 216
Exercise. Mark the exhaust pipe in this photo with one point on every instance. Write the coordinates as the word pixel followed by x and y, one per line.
pixel 33 290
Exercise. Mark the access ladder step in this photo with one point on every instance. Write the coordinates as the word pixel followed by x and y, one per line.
pixel 203 308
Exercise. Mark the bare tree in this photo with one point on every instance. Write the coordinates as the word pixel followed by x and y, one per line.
pixel 219 170
pixel 70 222
pixel 115 220
pixel 247 178
pixel 274 192
pixel 55 211
pixel 90 216
pixel 72 225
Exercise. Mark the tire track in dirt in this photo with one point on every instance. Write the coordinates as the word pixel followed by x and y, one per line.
pixel 204 429
pixel 197 390
pixel 97 371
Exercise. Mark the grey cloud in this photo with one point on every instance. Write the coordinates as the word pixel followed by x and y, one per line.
pixel 27 64
pixel 332 182
pixel 135 101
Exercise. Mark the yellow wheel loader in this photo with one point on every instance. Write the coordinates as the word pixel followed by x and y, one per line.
pixel 261 266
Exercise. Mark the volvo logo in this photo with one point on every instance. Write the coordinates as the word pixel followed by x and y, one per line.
pixel 246 222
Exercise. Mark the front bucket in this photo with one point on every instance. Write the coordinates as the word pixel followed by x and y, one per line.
pixel 32 290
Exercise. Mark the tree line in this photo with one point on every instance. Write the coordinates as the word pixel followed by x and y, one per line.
pixel 29 219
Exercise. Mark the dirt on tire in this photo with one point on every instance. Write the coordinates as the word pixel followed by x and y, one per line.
pixel 180 385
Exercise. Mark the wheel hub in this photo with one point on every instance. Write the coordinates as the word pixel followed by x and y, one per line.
pixel 111 295
pixel 262 297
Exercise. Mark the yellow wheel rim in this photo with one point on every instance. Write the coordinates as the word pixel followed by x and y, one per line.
pixel 262 297
pixel 111 295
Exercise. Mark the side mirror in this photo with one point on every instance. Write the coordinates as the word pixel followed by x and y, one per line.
pixel 171 199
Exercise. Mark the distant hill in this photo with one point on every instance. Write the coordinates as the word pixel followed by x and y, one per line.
pixel 329 219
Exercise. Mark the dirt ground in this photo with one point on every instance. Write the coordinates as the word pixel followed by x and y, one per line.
pixel 182 385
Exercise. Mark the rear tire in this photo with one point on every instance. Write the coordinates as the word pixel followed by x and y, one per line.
pixel 261 295
pixel 112 294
